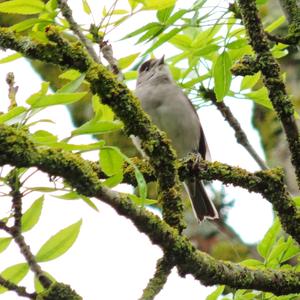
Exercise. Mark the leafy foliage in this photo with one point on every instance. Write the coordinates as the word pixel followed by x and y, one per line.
pixel 205 44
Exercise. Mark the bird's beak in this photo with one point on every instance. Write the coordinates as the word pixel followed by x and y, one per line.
pixel 161 60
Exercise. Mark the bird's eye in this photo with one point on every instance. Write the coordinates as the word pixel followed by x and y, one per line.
pixel 145 66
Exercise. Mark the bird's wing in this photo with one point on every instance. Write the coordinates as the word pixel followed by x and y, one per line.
pixel 203 146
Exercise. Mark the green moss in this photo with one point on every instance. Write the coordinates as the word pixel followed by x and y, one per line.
pixel 15 148
pixel 59 291
pixel 72 167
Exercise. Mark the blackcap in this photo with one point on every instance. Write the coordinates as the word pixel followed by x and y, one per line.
pixel 172 111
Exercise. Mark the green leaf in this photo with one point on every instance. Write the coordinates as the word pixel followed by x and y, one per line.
pixel 176 16
pixel 75 196
pixel 103 113
pixel 142 185
pixel 163 38
pixel 29 23
pixel 126 61
pixel 80 147
pixel 58 244
pixel 57 99
pixel 14 274
pixel 181 41
pixel 43 137
pixel 158 4
pixel 249 81
pixel 36 96
pixel 244 295
pixel 261 97
pixel 133 3
pixel 43 189
pixel 142 29
pixel 10 57
pixel 40 121
pixel 72 86
pixel 265 245
pixel 191 83
pixel 13 113
pixel 131 75
pixel 215 294
pixel 205 37
pixel 114 180
pixel 297 200
pixel 119 12
pixel 32 215
pixel 261 2
pixel 206 50
pixel 96 103
pixel 111 161
pixel 141 201
pixel 51 5
pixel 277 251
pixel 4 243
pixel 279 50
pixel 240 43
pixel 252 263
pixel 98 127
pixel 86 7
pixel 164 14
pixel 69 75
pixel 275 24
pixel 292 250
pixel 69 196
pixel 222 75
pixel 22 7
pixel 151 34
pixel 176 72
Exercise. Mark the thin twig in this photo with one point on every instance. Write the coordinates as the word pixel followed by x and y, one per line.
pixel 20 290
pixel 240 135
pixel 12 90
pixel 67 13
pixel 107 52
pixel 16 229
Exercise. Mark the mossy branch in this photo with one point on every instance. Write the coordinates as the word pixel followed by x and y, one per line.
pixel 124 104
pixel 67 13
pixel 291 9
pixel 269 183
pixel 17 150
pixel 20 290
pixel 156 283
pixel 272 78
pixel 240 134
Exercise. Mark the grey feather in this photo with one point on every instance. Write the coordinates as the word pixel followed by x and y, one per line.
pixel 172 112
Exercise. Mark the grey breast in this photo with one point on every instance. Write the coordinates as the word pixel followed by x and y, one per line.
pixel 172 112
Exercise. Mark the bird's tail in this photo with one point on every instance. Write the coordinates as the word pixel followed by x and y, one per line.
pixel 203 207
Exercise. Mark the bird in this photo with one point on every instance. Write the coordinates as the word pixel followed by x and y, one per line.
pixel 172 112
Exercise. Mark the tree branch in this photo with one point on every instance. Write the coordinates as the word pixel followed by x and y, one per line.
pixel 16 229
pixel 67 13
pixel 155 285
pixel 272 78
pixel 20 290
pixel 126 107
pixel 291 9
pixel 240 135
pixel 17 150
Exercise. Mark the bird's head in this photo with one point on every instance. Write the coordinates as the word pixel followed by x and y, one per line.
pixel 153 69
